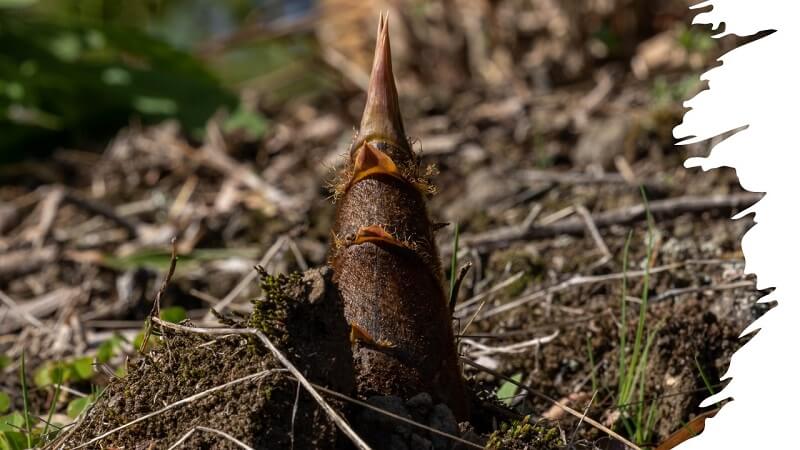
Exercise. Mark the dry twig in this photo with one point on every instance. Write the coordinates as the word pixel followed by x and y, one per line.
pixel 156 310
pixel 504 236
pixel 519 347
pixel 591 227
pixel 580 280
pixel 507 282
pixel 21 313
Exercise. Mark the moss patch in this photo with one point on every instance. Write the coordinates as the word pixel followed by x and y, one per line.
pixel 526 435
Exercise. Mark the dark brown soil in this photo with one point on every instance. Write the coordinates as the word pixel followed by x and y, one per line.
pixel 265 412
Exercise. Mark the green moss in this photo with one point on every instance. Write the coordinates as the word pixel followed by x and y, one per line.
pixel 526 434
pixel 271 311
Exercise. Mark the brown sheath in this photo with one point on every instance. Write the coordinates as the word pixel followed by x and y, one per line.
pixel 385 259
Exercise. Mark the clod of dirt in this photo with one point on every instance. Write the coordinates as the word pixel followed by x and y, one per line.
pixel 686 351
pixel 384 432
pixel 299 314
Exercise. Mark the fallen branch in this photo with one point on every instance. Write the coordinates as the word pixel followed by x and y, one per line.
pixel 503 237
pixel 580 280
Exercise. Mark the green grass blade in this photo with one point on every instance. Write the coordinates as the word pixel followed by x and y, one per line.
pixel 53 404
pixel 453 262
pixel 623 332
pixel 704 377
pixel 591 363
pixel 25 400
pixel 640 326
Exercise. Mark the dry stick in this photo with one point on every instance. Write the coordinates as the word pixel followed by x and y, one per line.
pixel 183 401
pixel 518 347
pixel 251 275
pixel 395 416
pixel 294 413
pixel 213 155
pixel 566 408
pixel 722 287
pixel 21 262
pixel 298 255
pixel 93 206
pixel 532 215
pixel 210 430
pixel 337 419
pixel 504 236
pixel 579 178
pixel 472 319
pixel 585 411
pixel 592 228
pixel 581 280
pixel 156 310
pixel 21 313
pixel 507 282
pixel 48 208
pixel 204 296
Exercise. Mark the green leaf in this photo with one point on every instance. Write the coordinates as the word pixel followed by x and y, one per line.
pixel 51 62
pixel 155 105
pixel 12 422
pixel 5 402
pixel 109 348
pixel 53 372
pixel 173 314
pixel 78 405
pixel 508 389
pixel 11 437
pixel 4 361
pixel 83 368
pixel 137 341
pixel 252 124
pixel 12 440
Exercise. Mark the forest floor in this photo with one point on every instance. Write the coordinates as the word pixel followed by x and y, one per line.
pixel 570 284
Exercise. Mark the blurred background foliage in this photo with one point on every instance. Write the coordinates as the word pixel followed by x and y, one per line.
pixel 74 71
